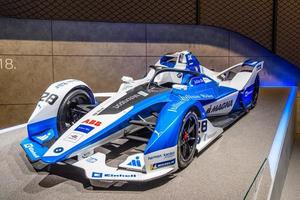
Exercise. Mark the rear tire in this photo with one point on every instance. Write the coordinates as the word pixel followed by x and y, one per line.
pixel 255 92
pixel 187 140
pixel 66 115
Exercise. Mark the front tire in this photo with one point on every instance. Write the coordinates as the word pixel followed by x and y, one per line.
pixel 67 115
pixel 187 140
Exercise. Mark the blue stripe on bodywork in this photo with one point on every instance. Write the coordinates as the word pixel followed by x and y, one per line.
pixel 247 95
pixel 168 125
pixel 44 137
pixel 33 150
pixel 41 126
pixel 32 145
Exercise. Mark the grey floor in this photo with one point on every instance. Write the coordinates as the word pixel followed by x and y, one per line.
pixel 291 188
pixel 224 170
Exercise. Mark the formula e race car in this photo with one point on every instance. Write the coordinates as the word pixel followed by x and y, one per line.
pixel 176 110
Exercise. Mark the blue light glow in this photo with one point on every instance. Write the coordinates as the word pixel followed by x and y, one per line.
pixel 279 139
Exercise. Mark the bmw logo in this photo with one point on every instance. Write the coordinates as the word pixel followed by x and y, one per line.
pixel 58 150
pixel 179 75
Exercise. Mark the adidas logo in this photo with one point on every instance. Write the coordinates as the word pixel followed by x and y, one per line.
pixel 135 162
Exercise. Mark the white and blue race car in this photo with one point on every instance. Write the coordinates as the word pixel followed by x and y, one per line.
pixel 177 109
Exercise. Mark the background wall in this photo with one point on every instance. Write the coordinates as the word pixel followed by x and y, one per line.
pixel 272 23
pixel 35 53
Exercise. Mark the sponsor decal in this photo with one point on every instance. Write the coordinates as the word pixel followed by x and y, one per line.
pixel 154 157
pixel 124 101
pixel 61 84
pixel 203 126
pixel 92 122
pixel 58 150
pixel 156 132
pixel 84 128
pixel 206 80
pixel 164 155
pixel 86 154
pixel 98 112
pixel 197 81
pixel 162 164
pixel 175 106
pixel 110 175
pixel 44 137
pixel 218 107
pixel 97 175
pixel 29 146
pixel 73 137
pixel 49 98
pixel 248 92
pixel 169 154
pixel 143 93
pixel 91 160
pixel 135 162
pixel 200 96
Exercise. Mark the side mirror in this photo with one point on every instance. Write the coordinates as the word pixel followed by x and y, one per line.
pixel 127 79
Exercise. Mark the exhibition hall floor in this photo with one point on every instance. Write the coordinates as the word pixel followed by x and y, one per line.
pixel 291 188
pixel 224 170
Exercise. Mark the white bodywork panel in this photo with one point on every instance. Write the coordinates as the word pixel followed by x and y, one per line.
pixel 96 170
pixel 241 80
pixel 206 137
pixel 154 160
pixel 221 107
pixel 137 167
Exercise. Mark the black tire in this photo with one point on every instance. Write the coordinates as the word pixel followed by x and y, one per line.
pixel 255 92
pixel 66 116
pixel 187 140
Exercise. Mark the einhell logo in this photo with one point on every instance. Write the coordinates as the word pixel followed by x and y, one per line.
pixel 92 122
pixel 219 107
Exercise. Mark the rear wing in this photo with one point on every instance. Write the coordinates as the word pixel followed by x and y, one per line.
pixel 253 63
pixel 256 65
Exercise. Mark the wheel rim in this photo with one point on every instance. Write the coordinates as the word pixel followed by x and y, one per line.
pixel 188 138
pixel 69 115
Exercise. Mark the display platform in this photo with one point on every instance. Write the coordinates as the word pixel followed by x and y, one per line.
pixel 227 169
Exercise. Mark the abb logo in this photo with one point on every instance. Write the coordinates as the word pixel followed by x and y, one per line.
pixel 92 122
